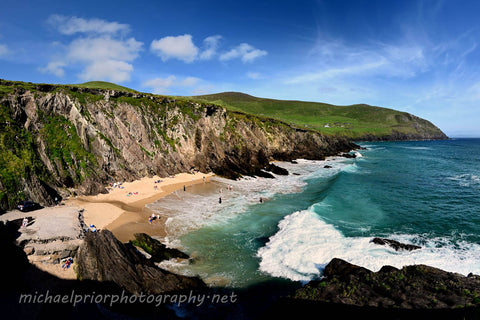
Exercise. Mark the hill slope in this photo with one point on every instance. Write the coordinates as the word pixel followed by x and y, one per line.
pixel 359 122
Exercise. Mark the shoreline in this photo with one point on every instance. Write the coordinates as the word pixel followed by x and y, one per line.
pixel 123 210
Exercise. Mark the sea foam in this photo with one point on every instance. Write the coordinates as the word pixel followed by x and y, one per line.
pixel 305 243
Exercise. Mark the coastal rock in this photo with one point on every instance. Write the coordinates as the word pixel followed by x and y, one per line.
pixel 103 258
pixel 157 250
pixel 395 244
pixel 412 287
pixel 276 169
pixel 349 155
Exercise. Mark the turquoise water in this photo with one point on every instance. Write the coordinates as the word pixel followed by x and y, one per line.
pixel 426 193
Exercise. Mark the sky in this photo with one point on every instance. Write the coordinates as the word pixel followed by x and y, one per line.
pixel 418 56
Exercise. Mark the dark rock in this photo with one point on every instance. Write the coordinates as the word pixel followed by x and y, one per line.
pixel 103 258
pixel 276 169
pixel 327 166
pixel 349 155
pixel 395 244
pixel 156 249
pixel 418 287
pixel 264 174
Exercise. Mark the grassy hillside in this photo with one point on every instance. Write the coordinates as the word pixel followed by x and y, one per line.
pixel 355 121
pixel 103 85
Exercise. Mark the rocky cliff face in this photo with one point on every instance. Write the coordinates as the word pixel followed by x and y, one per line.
pixel 62 140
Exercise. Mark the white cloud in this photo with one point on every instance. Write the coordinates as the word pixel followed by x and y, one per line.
pixel 71 25
pixel 103 48
pixel 102 51
pixel 211 45
pixel 164 85
pixel 3 50
pixel 245 52
pixel 180 47
pixel 104 57
pixel 55 68
pixel 113 70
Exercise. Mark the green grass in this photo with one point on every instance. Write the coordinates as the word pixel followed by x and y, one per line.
pixel 103 85
pixel 352 121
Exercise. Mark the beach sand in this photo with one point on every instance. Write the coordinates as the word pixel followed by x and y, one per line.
pixel 123 210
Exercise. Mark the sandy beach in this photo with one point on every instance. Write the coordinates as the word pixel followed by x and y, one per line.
pixel 122 210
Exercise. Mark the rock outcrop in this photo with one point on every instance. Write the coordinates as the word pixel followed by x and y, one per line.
pixel 64 140
pixel 412 287
pixel 157 250
pixel 103 258
pixel 395 244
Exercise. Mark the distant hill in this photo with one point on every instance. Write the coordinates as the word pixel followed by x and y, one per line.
pixel 103 85
pixel 359 121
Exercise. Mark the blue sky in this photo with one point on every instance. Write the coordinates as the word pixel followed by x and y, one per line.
pixel 416 56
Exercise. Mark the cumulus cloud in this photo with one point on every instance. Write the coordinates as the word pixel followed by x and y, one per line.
pixel 244 52
pixel 211 45
pixel 71 25
pixel 101 49
pixel 183 48
pixel 163 85
pixel 104 57
pixel 180 47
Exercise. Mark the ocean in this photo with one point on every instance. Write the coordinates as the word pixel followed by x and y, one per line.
pixel 418 192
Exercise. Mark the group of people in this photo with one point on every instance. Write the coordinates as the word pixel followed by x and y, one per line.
pixel 116 185
pixel 131 194
pixel 153 217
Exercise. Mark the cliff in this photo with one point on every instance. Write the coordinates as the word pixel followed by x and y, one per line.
pixel 64 140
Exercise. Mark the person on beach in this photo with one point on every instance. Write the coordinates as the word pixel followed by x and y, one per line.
pixel 220 200
pixel 203 179
pixel 261 200
pixel 67 263
pixel 93 228
pixel 56 201
pixel 150 220
pixel 24 222
pixel 184 189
